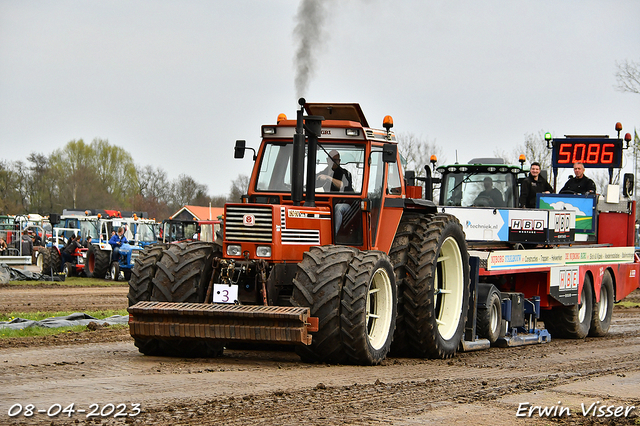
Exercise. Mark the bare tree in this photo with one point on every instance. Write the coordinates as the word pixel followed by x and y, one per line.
pixel 417 152
pixel 239 187
pixel 628 76
pixel 186 190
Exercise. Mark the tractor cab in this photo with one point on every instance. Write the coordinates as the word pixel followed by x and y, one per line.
pixel 480 183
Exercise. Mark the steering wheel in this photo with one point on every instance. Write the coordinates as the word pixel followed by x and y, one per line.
pixel 482 202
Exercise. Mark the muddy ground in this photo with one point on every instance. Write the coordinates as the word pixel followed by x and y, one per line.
pixel 245 387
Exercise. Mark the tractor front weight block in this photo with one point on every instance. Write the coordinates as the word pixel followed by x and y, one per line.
pixel 241 323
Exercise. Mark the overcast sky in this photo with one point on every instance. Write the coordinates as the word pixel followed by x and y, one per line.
pixel 175 83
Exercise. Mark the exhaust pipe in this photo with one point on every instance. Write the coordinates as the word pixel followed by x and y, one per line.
pixel 312 128
pixel 298 157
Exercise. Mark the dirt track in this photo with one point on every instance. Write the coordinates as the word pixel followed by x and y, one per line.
pixel 274 388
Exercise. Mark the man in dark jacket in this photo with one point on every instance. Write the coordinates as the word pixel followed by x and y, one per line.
pixel 69 249
pixel 532 185
pixel 579 184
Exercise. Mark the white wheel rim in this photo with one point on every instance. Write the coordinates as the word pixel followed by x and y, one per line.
pixel 379 309
pixel 582 311
pixel 39 261
pixel 113 273
pixel 449 283
pixel 603 306
pixel 493 319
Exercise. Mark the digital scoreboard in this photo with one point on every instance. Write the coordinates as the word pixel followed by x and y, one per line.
pixel 592 152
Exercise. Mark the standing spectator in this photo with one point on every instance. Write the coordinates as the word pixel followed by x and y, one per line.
pixel 86 242
pixel 532 185
pixel 37 245
pixel 4 249
pixel 27 245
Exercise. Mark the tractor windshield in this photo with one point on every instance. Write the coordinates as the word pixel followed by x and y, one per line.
pixel 342 163
pixel 481 189
pixel 145 233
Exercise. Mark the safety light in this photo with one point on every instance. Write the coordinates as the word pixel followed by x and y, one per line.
pixel 353 132
pixel 547 136
pixel 522 158
pixel 281 117
pixel 387 122
pixel 268 130
pixel 433 159
pixel 627 137
pixel 618 126
pixel 99 215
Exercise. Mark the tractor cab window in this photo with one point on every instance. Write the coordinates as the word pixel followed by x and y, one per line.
pixel 394 187
pixel 145 233
pixel 342 164
pixel 478 190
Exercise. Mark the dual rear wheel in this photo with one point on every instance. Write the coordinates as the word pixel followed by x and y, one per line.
pixel 589 317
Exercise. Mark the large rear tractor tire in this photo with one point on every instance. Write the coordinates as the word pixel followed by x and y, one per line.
pixel 140 286
pixel 369 308
pixel 572 322
pixel 318 286
pixel 398 254
pixel 98 262
pixel 51 261
pixel 436 294
pixel 143 272
pixel 603 310
pixel 182 276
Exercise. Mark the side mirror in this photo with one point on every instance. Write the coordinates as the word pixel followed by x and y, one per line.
pixel 390 152
pixel 628 185
pixel 239 149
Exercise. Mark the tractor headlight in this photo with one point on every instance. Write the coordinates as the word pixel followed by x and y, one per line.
pixel 234 250
pixel 263 251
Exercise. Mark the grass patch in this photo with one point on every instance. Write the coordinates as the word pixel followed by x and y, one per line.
pixel 37 316
pixel 42 331
pixel 73 282
pixel 627 304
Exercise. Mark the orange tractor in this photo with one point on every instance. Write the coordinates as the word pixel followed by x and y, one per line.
pixel 331 251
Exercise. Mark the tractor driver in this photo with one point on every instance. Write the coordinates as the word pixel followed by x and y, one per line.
pixel 335 179
pixel 116 242
pixel 489 193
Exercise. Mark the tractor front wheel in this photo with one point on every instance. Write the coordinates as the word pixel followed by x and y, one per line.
pixel 318 286
pixel 183 275
pixel 97 264
pixel 369 308
pixel 51 260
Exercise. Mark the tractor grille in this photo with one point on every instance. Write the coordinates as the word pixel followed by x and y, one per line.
pixel 301 236
pixel 236 230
